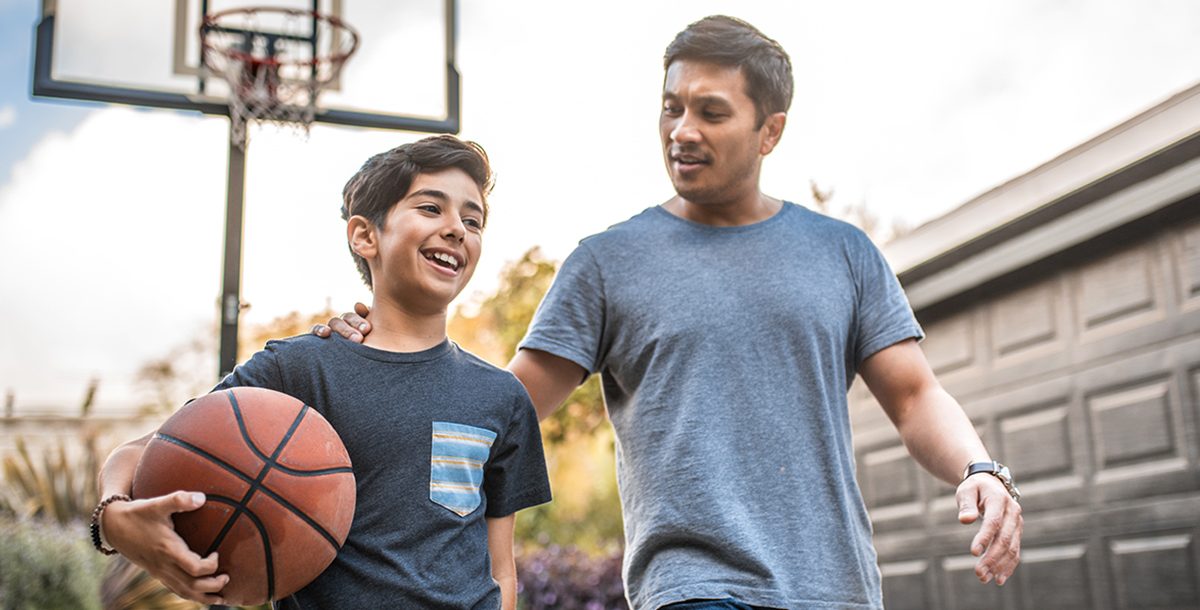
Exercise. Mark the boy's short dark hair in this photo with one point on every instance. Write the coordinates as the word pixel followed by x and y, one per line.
pixel 728 41
pixel 386 177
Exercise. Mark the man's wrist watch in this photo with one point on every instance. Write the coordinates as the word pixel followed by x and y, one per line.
pixel 996 469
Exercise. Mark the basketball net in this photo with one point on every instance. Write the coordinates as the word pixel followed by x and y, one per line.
pixel 275 75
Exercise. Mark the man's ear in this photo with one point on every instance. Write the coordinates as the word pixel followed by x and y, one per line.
pixel 771 132
pixel 362 236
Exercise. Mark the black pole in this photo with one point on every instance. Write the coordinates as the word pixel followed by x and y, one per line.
pixel 231 280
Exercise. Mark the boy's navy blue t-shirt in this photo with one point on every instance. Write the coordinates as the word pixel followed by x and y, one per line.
pixel 439 440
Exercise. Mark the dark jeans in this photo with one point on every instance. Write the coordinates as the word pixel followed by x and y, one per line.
pixel 712 604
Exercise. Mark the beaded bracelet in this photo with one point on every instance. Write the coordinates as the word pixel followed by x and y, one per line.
pixel 95 527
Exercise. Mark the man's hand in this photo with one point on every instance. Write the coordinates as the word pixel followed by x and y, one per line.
pixel 353 326
pixel 143 532
pixel 998 543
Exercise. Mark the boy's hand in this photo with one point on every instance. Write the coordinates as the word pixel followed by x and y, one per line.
pixel 353 326
pixel 998 543
pixel 143 532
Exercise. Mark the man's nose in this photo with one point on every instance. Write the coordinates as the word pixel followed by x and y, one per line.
pixel 685 129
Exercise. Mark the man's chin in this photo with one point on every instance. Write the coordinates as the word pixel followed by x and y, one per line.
pixel 696 195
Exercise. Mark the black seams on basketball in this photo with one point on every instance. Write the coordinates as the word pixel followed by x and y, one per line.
pixel 279 486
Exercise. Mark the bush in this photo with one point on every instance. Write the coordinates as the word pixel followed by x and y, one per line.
pixel 566 578
pixel 47 565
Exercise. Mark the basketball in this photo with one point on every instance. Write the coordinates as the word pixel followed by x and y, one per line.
pixel 279 486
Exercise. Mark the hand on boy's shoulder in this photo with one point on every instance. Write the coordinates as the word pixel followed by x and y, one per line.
pixel 351 325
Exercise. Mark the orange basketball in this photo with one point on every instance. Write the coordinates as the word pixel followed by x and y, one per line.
pixel 280 490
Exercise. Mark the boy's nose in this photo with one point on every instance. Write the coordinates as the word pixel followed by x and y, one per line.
pixel 455 231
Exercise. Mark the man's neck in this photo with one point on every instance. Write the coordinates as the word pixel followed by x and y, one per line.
pixel 745 211
pixel 396 328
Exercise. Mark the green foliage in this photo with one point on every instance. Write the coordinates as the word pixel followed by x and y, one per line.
pixel 61 486
pixel 288 325
pixel 189 369
pixel 499 323
pixel 184 371
pixel 129 587
pixel 47 565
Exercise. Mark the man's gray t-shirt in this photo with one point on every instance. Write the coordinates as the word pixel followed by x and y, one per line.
pixel 439 440
pixel 725 355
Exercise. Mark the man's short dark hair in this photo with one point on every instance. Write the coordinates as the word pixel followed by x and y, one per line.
pixel 728 41
pixel 386 177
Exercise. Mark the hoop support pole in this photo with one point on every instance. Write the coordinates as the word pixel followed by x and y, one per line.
pixel 231 278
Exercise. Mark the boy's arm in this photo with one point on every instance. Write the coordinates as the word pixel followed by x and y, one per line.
pixel 941 437
pixel 143 532
pixel 504 564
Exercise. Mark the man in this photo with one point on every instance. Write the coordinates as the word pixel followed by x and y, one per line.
pixel 727 326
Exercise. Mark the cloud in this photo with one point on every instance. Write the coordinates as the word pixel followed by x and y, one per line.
pixel 8 116
pixel 112 240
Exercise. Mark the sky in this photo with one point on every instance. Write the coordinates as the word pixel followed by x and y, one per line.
pixel 111 218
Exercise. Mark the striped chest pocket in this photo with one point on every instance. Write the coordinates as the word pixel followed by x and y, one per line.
pixel 456 465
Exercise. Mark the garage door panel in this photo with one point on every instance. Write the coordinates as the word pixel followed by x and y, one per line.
pixel 1156 571
pixel 907 585
pixel 962 588
pixel 1137 440
pixel 1055 577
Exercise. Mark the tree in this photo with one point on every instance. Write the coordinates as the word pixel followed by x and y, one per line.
pixel 586 511
pixel 880 229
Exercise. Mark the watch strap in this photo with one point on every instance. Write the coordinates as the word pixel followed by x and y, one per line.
pixel 996 469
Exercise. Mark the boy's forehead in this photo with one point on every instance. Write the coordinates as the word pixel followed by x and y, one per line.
pixel 452 184
pixel 448 178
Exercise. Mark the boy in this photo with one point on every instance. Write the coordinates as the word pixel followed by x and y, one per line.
pixel 415 218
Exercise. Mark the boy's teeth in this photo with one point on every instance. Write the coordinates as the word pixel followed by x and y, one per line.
pixel 446 258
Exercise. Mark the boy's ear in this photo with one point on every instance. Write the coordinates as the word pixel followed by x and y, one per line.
pixel 362 237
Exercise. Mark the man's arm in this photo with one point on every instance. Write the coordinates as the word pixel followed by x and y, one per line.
pixel 504 564
pixel 549 379
pixel 941 437
pixel 143 532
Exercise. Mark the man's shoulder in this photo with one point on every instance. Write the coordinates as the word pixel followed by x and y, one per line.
pixel 632 228
pixel 827 228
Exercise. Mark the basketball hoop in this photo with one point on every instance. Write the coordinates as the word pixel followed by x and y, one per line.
pixel 276 61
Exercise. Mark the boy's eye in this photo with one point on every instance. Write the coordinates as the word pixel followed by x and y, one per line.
pixel 474 223
pixel 429 207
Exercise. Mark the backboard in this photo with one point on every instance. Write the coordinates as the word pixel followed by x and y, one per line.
pixel 403 75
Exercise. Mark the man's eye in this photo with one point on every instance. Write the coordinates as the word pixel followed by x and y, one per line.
pixel 672 110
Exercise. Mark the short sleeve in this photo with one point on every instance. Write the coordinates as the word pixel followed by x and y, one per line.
pixel 884 317
pixel 570 321
pixel 260 371
pixel 515 476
